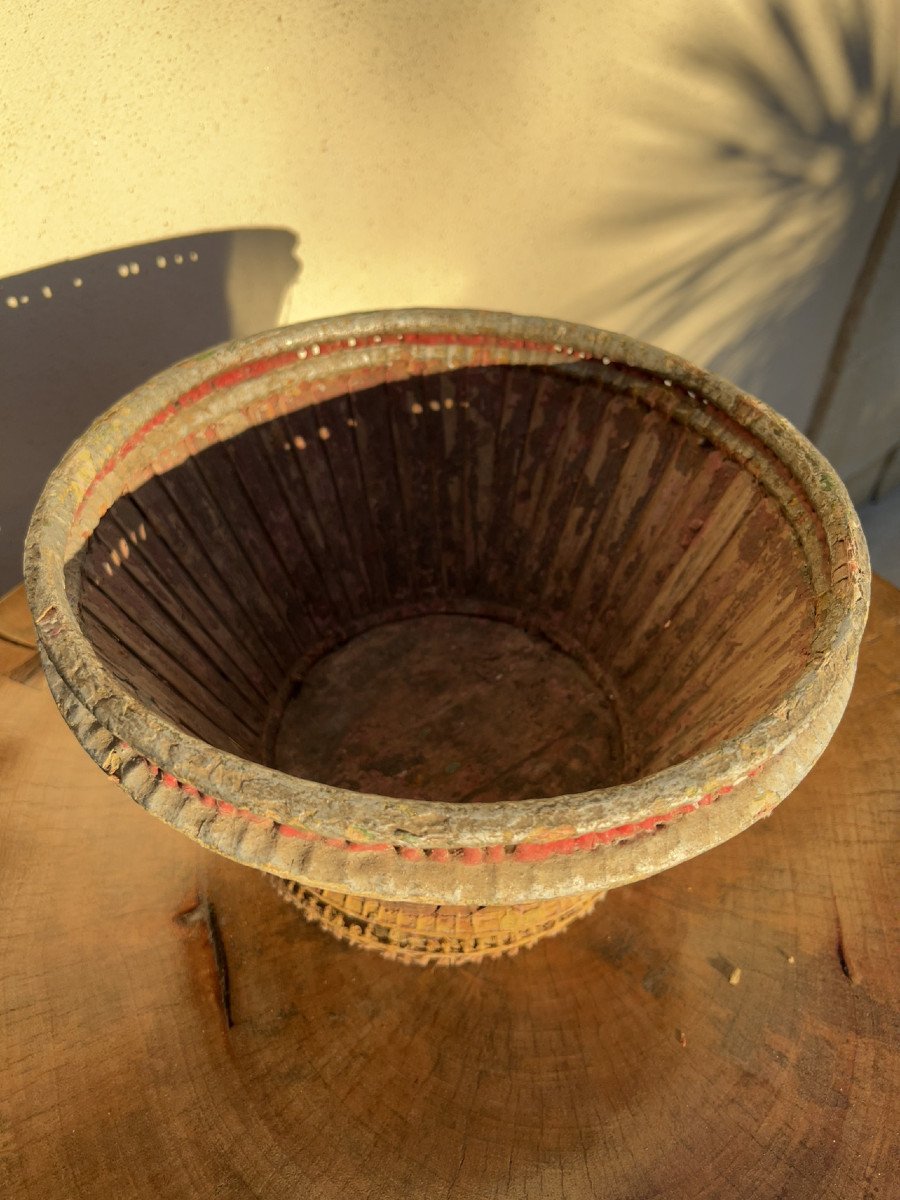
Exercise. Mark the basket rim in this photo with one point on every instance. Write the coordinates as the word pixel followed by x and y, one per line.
pixel 336 812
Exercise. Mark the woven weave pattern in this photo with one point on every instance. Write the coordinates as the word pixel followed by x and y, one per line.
pixel 440 934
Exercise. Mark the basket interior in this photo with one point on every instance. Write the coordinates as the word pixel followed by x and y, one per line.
pixel 661 597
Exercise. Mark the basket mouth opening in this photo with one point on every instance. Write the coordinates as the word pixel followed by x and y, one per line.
pixel 630 511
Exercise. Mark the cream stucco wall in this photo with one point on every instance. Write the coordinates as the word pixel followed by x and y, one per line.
pixel 703 173
pixel 577 158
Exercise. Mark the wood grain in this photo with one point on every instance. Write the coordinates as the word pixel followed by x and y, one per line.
pixel 171 1028
pixel 18 649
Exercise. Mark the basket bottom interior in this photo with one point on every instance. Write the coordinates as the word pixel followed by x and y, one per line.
pixel 452 708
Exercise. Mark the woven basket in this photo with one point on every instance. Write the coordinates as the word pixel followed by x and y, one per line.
pixel 451 620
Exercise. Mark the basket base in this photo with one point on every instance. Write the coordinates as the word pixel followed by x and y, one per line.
pixel 450 707
pixel 438 934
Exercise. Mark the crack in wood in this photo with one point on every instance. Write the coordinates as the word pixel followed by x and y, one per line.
pixel 844 958
pixel 203 913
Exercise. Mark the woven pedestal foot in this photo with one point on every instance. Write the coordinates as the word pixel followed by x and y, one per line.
pixel 442 934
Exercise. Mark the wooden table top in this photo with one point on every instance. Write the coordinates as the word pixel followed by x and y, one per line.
pixel 170 1028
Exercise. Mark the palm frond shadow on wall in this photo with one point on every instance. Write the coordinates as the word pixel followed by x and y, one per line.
pixel 769 155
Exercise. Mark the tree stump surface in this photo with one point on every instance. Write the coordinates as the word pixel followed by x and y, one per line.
pixel 169 1027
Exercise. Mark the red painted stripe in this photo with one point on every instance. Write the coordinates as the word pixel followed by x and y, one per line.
pixel 467 855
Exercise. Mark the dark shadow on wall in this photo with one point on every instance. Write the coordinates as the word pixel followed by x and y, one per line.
pixel 769 155
pixel 78 335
